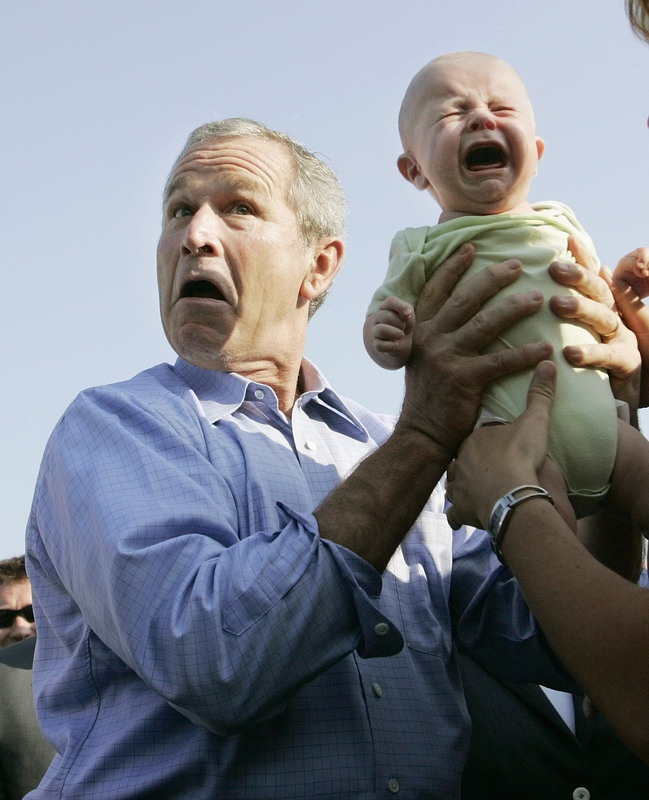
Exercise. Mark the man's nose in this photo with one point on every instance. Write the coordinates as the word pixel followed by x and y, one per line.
pixel 202 234
pixel 482 118
pixel 21 629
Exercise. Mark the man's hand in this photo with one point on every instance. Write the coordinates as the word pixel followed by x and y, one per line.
pixel 444 380
pixel 633 270
pixel 497 458
pixel 629 287
pixel 598 308
pixel 447 373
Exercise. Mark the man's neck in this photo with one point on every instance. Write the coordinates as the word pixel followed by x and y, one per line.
pixel 283 379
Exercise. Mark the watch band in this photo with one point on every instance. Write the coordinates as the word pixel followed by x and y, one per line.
pixel 502 511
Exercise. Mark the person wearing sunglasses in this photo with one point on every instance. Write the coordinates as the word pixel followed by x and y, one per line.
pixel 16 613
pixel 24 752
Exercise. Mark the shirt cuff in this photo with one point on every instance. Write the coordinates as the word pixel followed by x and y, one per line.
pixel 379 636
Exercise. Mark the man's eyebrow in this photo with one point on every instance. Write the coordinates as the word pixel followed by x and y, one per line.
pixel 240 183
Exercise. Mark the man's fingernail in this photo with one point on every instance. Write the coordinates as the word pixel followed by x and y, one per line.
pixel 545 369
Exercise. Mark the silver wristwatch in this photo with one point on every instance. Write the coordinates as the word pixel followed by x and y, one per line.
pixel 502 511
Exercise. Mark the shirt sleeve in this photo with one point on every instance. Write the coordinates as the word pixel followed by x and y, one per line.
pixel 137 546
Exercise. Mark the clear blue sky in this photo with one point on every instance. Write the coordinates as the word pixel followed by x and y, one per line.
pixel 98 97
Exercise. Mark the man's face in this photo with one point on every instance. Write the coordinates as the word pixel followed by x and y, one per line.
pixel 231 261
pixel 14 596
pixel 473 137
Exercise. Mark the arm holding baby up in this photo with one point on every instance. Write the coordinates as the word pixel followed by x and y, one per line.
pixel 595 620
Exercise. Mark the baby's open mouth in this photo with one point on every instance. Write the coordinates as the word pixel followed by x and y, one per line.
pixel 485 156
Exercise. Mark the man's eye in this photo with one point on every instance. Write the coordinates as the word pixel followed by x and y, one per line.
pixel 181 211
pixel 242 209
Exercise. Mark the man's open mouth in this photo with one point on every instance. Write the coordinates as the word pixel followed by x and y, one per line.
pixel 485 156
pixel 202 289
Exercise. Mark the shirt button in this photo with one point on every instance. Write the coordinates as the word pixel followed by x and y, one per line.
pixel 259 394
pixel 393 785
pixel 310 446
pixel 381 628
pixel 581 794
pixel 377 689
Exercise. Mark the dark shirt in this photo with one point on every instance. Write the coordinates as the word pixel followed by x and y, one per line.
pixel 521 749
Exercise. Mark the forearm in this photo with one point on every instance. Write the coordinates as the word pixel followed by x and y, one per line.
pixel 375 507
pixel 596 621
pixel 445 377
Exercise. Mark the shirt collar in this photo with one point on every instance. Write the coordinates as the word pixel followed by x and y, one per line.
pixel 222 393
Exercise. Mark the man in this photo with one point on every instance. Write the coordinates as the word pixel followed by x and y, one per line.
pixel 16 614
pixel 227 605
pixel 24 753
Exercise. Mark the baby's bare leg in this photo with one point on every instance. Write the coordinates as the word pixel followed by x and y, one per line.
pixel 629 492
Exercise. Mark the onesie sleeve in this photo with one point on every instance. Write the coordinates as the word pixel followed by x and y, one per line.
pixel 406 274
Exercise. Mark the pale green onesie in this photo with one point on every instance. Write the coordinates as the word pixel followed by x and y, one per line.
pixel 583 435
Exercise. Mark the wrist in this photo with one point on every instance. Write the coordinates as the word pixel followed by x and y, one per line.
pixel 504 508
pixel 421 442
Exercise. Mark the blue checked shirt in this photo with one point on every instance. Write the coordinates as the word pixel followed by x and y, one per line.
pixel 198 639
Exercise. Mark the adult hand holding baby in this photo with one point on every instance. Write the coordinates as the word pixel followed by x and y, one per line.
pixel 447 366
pixel 603 298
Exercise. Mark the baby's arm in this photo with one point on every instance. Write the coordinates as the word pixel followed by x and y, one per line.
pixel 633 270
pixel 387 333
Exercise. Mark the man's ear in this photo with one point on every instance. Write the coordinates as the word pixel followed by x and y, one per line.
pixel 540 147
pixel 409 168
pixel 327 259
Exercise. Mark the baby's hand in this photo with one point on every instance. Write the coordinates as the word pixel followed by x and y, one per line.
pixel 392 327
pixel 633 270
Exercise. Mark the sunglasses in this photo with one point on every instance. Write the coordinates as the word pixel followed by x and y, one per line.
pixel 8 615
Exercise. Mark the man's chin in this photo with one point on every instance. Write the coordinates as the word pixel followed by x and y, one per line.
pixel 200 347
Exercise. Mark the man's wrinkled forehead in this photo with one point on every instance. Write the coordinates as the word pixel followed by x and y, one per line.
pixel 184 182
pixel 247 163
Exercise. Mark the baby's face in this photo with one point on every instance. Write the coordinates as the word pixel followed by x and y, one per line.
pixel 471 136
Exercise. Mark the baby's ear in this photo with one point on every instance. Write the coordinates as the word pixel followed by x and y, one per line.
pixel 540 147
pixel 409 168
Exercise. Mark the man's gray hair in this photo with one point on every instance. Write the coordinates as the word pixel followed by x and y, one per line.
pixel 315 194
